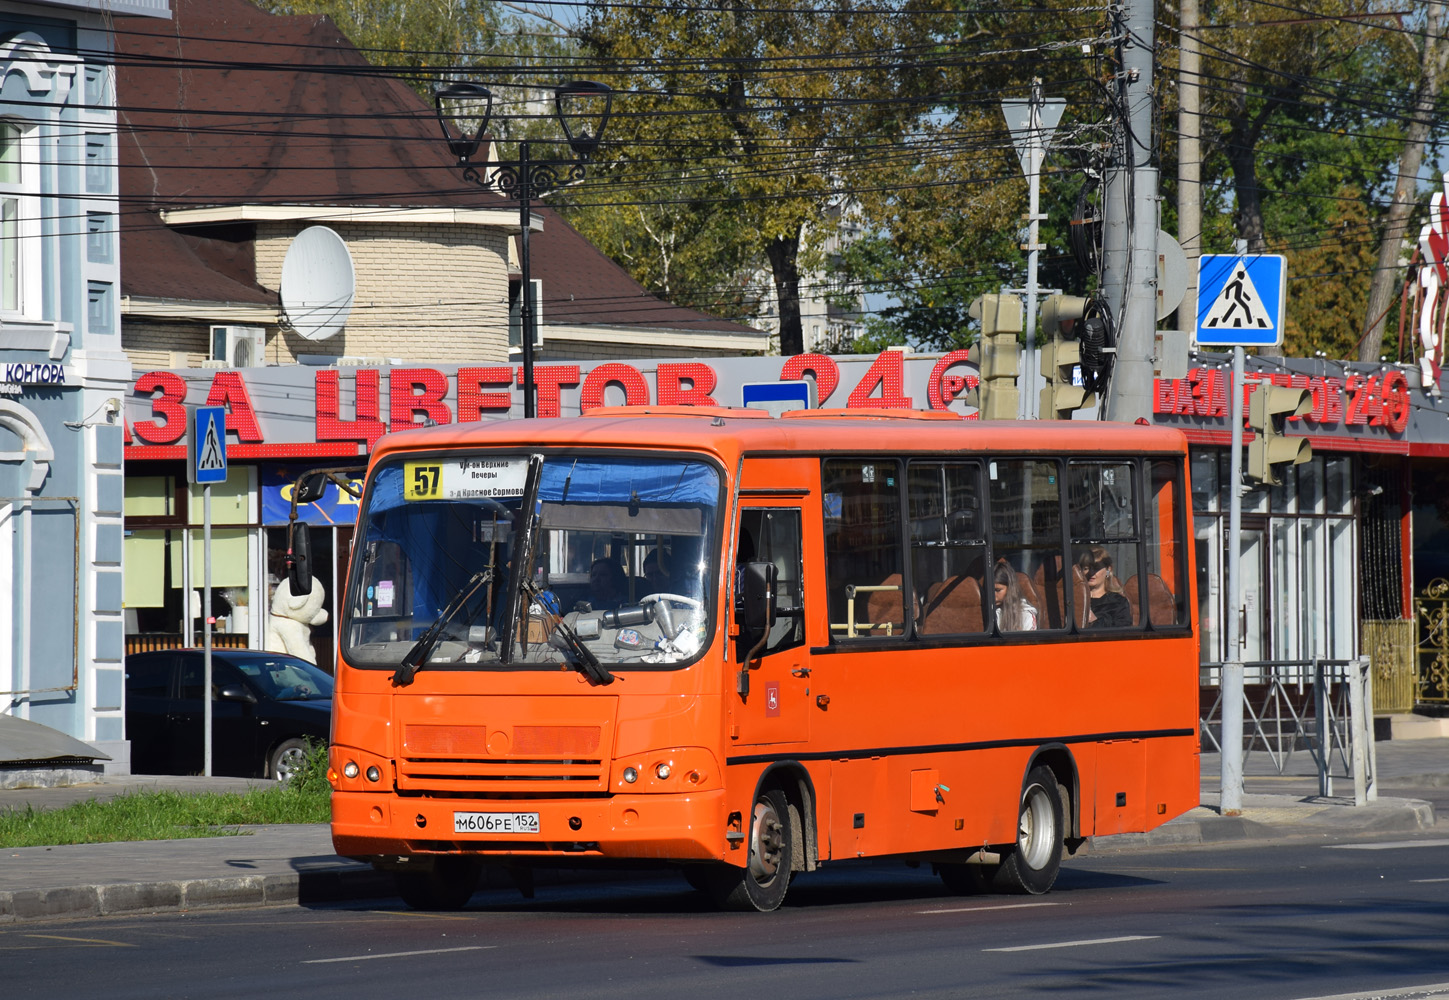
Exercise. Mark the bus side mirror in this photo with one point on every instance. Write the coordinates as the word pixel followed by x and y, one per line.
pixel 310 488
pixel 299 558
pixel 757 596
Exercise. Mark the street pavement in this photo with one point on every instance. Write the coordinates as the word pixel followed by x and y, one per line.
pixel 293 865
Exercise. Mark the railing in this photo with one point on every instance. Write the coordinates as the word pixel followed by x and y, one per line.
pixel 1431 661
pixel 1323 707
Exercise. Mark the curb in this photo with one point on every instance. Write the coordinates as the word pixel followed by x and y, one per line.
pixel 1203 826
pixel 177 895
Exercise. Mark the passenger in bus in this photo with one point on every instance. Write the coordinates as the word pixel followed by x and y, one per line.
pixel 1104 603
pixel 608 587
pixel 1014 613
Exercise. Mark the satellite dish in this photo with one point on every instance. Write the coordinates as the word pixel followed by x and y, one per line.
pixel 318 283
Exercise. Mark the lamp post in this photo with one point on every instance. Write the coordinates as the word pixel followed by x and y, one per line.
pixel 583 109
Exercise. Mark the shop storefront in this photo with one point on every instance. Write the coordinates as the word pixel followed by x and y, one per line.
pixel 1325 556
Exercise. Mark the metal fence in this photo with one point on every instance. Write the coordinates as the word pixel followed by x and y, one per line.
pixel 1431 608
pixel 1320 707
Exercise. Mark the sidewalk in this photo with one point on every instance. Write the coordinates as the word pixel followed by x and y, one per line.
pixel 274 865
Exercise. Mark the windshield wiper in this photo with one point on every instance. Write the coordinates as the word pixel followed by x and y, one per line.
pixel 521 567
pixel 412 660
pixel 585 659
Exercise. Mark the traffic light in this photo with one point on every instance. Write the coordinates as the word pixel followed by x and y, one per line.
pixel 1270 448
pixel 998 353
pixel 1061 353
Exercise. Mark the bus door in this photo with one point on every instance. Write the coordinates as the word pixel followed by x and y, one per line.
pixel 770 700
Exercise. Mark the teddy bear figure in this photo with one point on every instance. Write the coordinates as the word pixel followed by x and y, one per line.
pixel 290 630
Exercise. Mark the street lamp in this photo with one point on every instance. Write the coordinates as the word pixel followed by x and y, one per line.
pixel 463 112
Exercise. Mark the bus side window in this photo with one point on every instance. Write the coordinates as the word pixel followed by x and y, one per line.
pixel 948 546
pixel 773 535
pixel 1026 534
pixel 1166 564
pixel 1106 537
pixel 863 563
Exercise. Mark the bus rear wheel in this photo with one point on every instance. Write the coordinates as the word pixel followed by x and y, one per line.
pixel 1031 865
pixel 448 885
pixel 761 884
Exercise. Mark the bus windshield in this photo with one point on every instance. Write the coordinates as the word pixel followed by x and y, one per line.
pixel 618 551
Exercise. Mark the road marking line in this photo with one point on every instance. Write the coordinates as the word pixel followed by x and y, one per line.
pixel 1422 880
pixel 60 937
pixel 1078 944
pixel 988 908
pixel 398 954
pixel 417 913
pixel 1388 846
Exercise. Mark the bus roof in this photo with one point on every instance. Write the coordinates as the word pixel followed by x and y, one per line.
pixel 730 432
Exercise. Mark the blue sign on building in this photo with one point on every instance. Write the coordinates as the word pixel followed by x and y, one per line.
pixel 208 445
pixel 775 397
pixel 1240 299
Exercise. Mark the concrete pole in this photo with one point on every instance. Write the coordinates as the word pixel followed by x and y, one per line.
pixel 1231 681
pixel 1189 159
pixel 1129 240
pixel 1036 153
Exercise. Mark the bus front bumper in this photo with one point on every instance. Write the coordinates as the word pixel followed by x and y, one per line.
pixel 686 827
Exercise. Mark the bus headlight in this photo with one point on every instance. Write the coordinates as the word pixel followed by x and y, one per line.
pixel 677 769
pixel 630 775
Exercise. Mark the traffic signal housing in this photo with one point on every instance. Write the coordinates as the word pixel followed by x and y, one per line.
pixel 998 354
pixel 1061 353
pixel 1269 408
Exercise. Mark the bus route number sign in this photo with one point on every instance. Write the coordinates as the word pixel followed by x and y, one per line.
pixel 474 478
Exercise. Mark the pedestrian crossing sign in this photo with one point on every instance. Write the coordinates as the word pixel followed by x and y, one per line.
pixel 207 453
pixel 1240 299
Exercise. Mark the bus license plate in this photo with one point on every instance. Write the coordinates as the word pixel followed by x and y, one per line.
pixel 469 822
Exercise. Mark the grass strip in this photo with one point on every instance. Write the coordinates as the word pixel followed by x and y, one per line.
pixel 167 815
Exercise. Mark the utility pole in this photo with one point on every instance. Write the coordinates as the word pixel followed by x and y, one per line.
pixel 1189 158
pixel 1129 239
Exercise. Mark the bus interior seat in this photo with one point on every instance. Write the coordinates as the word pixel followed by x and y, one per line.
pixel 1053 606
pixel 1028 590
pixel 953 606
pixel 884 607
pixel 1161 605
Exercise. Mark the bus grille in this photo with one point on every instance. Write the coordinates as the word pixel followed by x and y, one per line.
pixel 534 760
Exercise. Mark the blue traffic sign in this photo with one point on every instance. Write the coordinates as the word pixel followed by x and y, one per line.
pixel 1240 299
pixel 776 397
pixel 208 445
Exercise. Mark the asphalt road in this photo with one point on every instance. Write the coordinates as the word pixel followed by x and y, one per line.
pixel 1276 923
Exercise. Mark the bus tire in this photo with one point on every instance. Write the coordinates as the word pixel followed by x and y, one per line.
pixel 448 885
pixel 761 884
pixel 1031 864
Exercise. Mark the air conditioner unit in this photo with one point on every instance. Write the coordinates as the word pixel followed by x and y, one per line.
pixel 239 346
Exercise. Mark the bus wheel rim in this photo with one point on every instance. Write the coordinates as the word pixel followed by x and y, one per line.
pixel 767 842
pixel 1036 828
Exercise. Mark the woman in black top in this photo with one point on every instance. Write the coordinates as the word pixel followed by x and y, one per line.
pixel 1107 606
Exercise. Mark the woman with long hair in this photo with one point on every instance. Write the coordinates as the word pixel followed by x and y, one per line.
pixel 1103 603
pixel 1014 613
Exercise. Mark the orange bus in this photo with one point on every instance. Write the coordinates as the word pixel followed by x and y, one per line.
pixel 748 645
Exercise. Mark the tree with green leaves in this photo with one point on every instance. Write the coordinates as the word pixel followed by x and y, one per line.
pixel 773 116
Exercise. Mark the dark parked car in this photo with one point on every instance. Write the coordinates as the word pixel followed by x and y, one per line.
pixel 264 707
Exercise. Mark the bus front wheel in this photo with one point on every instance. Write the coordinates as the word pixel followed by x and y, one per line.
pixel 761 884
pixel 1031 865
